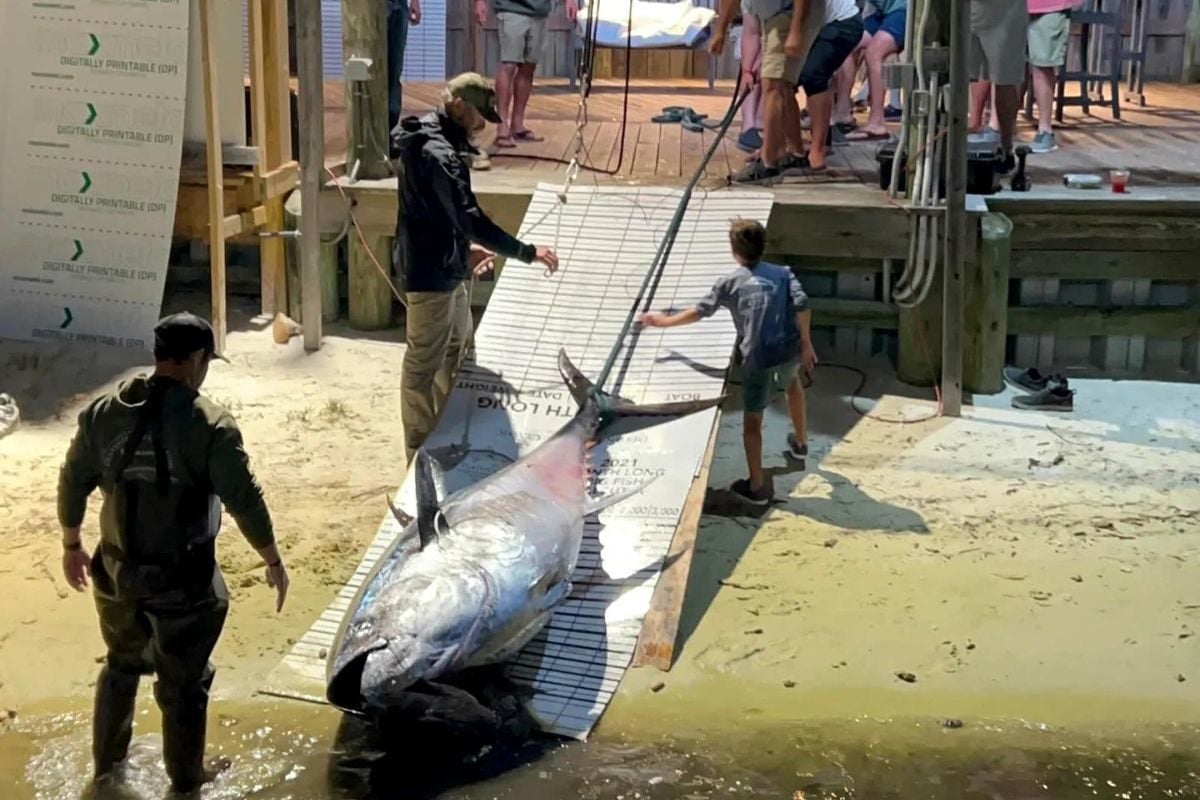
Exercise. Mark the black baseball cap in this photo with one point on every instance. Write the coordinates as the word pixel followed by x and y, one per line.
pixel 177 336
pixel 477 92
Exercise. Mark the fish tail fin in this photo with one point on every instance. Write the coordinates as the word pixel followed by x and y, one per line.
pixel 610 407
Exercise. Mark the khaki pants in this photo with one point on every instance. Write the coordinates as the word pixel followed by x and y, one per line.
pixel 438 328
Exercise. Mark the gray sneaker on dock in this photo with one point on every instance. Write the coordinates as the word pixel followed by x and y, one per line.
pixel 1044 142
pixel 1055 397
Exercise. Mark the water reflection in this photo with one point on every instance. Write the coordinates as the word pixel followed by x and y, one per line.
pixel 297 752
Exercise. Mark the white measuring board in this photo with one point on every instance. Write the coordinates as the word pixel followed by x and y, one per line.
pixel 93 93
pixel 510 397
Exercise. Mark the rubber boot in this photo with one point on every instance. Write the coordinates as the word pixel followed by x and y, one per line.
pixel 112 718
pixel 184 723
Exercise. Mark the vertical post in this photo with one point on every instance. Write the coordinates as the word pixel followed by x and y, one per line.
pixel 956 212
pixel 987 306
pixel 275 143
pixel 364 35
pixel 215 171
pixel 1191 46
pixel 312 161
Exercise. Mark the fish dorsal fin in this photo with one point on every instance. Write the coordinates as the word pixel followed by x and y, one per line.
pixel 427 499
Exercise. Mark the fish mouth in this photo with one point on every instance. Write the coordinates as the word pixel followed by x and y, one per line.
pixel 344 691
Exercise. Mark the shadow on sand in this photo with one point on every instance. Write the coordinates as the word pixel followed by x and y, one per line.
pixel 720 546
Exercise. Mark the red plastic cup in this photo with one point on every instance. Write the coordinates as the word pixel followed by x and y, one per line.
pixel 1120 180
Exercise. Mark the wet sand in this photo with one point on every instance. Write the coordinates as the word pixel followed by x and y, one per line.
pixel 1027 569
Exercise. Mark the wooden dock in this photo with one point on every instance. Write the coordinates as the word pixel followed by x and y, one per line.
pixel 1159 143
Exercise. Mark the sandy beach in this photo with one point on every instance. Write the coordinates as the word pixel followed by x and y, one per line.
pixel 1017 567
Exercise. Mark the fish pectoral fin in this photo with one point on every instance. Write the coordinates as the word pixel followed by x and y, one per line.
pixel 428 504
pixel 601 502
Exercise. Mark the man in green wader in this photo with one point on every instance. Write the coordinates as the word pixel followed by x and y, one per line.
pixel 165 459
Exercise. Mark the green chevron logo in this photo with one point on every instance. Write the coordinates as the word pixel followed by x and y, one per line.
pixel 91 114
pixel 95 44
pixel 67 319
pixel 78 250
pixel 87 183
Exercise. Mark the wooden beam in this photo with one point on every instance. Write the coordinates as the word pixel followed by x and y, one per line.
pixel 258 84
pixel 215 170
pixel 810 263
pixel 854 313
pixel 956 212
pixel 986 314
pixel 277 83
pixel 281 180
pixel 312 161
pixel 245 222
pixel 1181 265
pixel 660 628
pixel 1131 321
pixel 839 231
pixel 1048 231
pixel 364 35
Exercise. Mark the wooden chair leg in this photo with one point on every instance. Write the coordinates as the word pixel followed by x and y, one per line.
pixel 1085 88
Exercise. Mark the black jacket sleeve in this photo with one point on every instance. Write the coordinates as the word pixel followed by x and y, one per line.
pixel 452 186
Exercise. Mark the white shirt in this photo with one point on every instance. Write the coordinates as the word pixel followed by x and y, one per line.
pixel 838 10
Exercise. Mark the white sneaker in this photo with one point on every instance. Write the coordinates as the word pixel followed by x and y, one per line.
pixel 10 415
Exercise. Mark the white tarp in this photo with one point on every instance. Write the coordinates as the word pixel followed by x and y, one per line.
pixel 93 95
pixel 654 24
pixel 510 398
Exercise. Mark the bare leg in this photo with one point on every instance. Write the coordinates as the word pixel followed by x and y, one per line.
pixel 820 106
pixel 522 89
pixel 1007 103
pixel 882 45
pixel 774 122
pixel 792 129
pixel 843 84
pixel 980 91
pixel 752 441
pixel 505 82
pixel 797 410
pixel 751 58
pixel 1043 95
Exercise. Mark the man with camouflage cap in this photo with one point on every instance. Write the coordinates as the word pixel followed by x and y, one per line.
pixel 165 459
pixel 442 238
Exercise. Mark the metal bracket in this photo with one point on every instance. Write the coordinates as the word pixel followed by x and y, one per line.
pixel 279 234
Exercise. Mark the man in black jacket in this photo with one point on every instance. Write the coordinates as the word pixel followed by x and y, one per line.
pixel 442 235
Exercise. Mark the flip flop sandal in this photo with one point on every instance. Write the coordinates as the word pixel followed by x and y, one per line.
pixel 504 142
pixel 866 136
pixel 528 136
pixel 846 127
pixel 671 115
pixel 692 125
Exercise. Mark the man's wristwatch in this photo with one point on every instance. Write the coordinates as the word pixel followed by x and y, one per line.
pixel 75 545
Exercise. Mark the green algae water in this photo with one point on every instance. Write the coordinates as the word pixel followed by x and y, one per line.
pixel 283 750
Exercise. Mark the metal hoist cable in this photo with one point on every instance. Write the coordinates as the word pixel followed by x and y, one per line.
pixel 655 272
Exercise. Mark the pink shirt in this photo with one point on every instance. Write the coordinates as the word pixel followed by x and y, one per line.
pixel 1048 6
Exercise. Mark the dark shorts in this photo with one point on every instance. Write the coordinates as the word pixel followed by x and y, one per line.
pixel 759 385
pixel 892 24
pixel 833 45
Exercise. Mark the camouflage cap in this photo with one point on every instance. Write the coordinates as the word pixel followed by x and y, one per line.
pixel 477 92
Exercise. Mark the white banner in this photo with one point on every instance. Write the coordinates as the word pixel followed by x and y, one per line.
pixel 93 94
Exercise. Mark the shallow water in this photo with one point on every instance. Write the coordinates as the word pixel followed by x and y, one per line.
pixel 299 752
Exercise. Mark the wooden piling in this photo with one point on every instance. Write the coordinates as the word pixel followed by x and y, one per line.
pixel 364 35
pixel 327 266
pixel 986 307
pixel 956 211
pixel 919 339
pixel 311 110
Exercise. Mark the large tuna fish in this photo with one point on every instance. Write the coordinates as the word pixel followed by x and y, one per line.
pixel 476 575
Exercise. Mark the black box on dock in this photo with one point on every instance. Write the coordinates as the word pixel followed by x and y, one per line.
pixel 983 159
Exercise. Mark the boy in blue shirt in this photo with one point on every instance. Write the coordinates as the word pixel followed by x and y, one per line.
pixel 770 311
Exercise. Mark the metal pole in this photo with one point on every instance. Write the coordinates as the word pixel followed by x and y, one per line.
pixel 311 107
pixel 956 211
